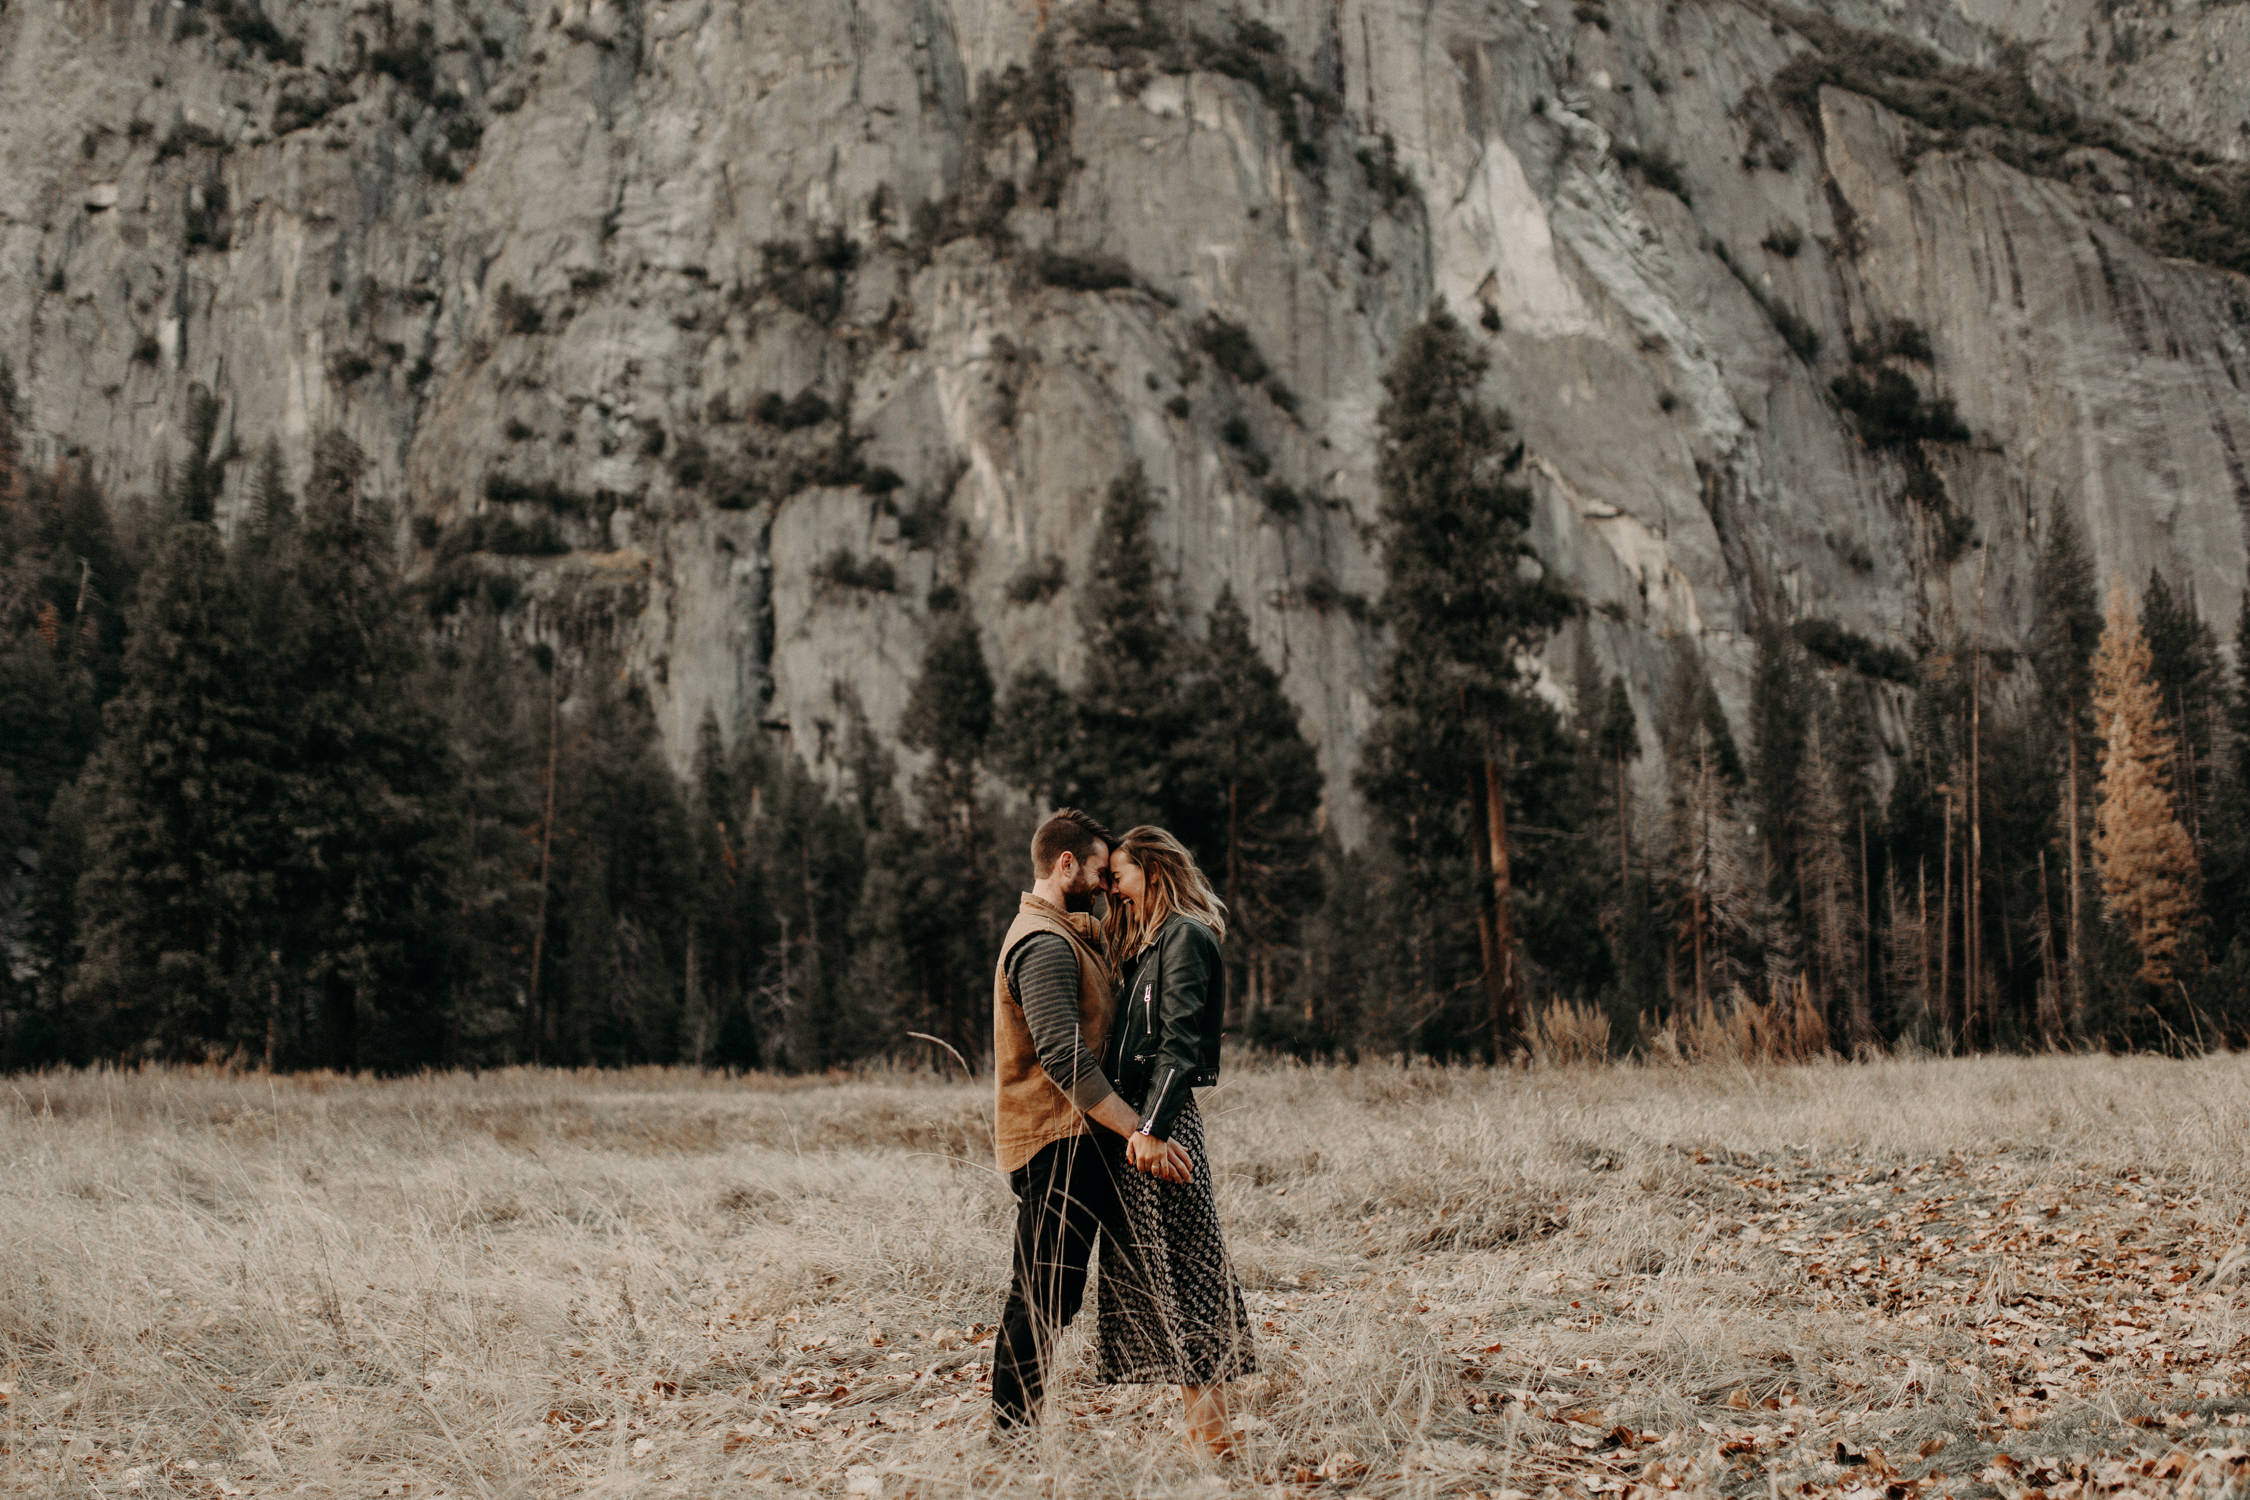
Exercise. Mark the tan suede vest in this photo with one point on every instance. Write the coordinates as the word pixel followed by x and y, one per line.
pixel 1030 1109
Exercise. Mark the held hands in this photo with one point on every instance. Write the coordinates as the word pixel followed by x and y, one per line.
pixel 1181 1164
pixel 1165 1159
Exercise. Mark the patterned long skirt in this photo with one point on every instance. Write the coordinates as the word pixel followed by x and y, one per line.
pixel 1168 1309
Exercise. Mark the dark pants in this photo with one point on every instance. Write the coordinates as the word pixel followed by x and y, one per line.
pixel 1063 1195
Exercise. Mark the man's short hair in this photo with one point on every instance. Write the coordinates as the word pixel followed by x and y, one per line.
pixel 1066 831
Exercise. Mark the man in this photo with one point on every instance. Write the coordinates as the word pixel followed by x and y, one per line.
pixel 1053 993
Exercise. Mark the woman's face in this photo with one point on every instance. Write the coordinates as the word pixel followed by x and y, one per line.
pixel 1126 883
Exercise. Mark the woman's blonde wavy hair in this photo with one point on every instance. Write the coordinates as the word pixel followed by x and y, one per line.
pixel 1175 884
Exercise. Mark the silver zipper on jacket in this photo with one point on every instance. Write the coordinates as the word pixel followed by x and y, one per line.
pixel 1156 1107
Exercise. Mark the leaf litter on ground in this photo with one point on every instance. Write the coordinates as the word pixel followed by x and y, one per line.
pixel 1639 1283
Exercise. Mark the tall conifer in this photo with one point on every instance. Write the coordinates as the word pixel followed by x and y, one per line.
pixel 491 705
pixel 1130 720
pixel 810 854
pixel 1832 906
pixel 625 890
pixel 362 770
pixel 734 902
pixel 2227 870
pixel 1617 740
pixel 11 449
pixel 1036 737
pixel 203 471
pixel 2184 665
pixel 1258 779
pixel 2149 874
pixel 1779 716
pixel 942 864
pixel 1348 992
pixel 1713 872
pixel 2066 628
pixel 171 889
pixel 1466 603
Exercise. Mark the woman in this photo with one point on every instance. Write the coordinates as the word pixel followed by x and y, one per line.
pixel 1169 1310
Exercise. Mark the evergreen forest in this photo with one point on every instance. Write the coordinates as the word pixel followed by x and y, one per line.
pixel 266 800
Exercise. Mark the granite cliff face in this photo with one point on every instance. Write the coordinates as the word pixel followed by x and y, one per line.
pixel 742 337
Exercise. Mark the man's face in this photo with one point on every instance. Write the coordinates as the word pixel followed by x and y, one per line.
pixel 1084 881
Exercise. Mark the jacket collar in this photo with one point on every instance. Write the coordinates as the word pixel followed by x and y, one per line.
pixel 1081 925
pixel 1150 935
pixel 1080 922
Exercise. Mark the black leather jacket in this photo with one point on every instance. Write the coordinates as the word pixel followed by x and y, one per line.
pixel 1168 1018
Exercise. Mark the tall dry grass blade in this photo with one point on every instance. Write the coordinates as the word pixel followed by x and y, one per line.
pixel 1461 1280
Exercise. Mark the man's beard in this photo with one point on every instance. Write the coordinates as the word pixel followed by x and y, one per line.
pixel 1081 901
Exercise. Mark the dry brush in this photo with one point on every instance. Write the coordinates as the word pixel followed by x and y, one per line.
pixel 1921 1276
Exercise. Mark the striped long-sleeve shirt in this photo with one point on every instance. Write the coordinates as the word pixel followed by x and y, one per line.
pixel 1043 973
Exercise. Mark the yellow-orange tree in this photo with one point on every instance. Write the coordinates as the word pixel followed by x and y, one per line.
pixel 2151 886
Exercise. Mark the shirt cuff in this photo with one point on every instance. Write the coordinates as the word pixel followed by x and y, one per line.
pixel 1088 1092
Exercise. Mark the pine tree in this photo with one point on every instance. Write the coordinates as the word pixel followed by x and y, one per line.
pixel 2184 665
pixel 2227 872
pixel 171 884
pixel 901 916
pixel 1852 748
pixel 490 814
pixel 1692 703
pixel 2238 701
pixel 203 475
pixel 1036 737
pixel 710 997
pixel 1466 604
pixel 1130 717
pixel 624 888
pixel 1779 716
pixel 949 717
pixel 56 1033
pixel 1617 740
pixel 609 1005
pixel 811 855
pixel 280 1017
pixel 1911 971
pixel 1254 773
pixel 1832 898
pixel 64 577
pixel 63 574
pixel 2066 627
pixel 11 449
pixel 2023 926
pixel 1346 990
pixel 734 916
pixel 942 863
pixel 177 876
pixel 2146 862
pixel 1924 828
pixel 272 516
pixel 1570 867
pixel 361 769
pixel 1713 872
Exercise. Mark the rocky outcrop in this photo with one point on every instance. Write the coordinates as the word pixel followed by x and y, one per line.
pixel 742 339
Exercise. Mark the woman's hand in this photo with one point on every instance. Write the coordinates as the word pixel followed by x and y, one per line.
pixel 1163 1159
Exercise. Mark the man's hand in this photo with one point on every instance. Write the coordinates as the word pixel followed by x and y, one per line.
pixel 1182 1165
pixel 1165 1159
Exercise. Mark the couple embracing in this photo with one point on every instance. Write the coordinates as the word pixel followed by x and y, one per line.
pixel 1101 1032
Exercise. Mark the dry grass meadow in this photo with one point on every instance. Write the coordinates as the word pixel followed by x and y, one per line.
pixel 1911 1277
